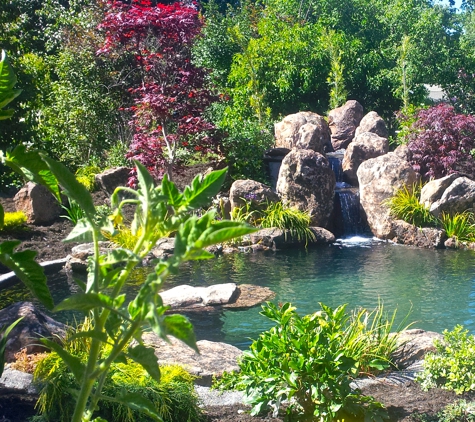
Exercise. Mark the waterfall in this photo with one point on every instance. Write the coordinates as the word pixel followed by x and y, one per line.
pixel 347 215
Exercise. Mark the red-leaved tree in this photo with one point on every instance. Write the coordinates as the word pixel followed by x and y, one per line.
pixel 442 142
pixel 170 94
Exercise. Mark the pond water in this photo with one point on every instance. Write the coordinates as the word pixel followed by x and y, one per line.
pixel 436 288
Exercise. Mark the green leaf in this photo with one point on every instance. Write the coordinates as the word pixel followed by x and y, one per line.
pixel 7 76
pixel 2 217
pixel 32 167
pixel 172 194
pixel 74 363
pixel 118 256
pixel 223 231
pixel 82 232
pixel 6 114
pixel 203 189
pixel 4 332
pixel 181 328
pixel 8 97
pixel 136 401
pixel 145 356
pixel 73 188
pixel 85 302
pixel 25 267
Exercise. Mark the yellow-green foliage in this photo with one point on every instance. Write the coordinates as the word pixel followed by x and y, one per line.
pixel 87 176
pixel 123 237
pixel 13 220
pixel 174 396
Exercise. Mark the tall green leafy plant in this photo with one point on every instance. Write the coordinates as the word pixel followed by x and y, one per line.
pixel 114 322
pixel 310 361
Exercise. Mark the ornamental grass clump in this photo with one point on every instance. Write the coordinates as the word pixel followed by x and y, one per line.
pixel 405 205
pixel 461 226
pixel 310 361
pixel 276 214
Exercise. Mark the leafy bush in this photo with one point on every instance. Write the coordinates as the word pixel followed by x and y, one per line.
pixel 458 411
pixel 452 365
pixel 460 225
pixel 311 361
pixel 405 205
pixel 173 396
pixel 442 142
pixel 12 220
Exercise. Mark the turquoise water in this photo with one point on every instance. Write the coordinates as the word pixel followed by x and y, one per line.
pixel 436 288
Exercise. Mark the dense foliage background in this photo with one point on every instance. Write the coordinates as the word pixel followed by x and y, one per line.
pixel 258 60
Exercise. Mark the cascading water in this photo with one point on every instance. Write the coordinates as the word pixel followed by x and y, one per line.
pixel 348 219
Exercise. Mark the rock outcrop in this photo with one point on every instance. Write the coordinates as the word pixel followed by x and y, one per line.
pixel 279 239
pixel 433 190
pixel 343 122
pixel 38 204
pixel 26 334
pixel 256 194
pixel 305 130
pixel 372 122
pixel 307 182
pixel 379 179
pixel 457 198
pixel 365 146
pixel 408 234
pixel 214 357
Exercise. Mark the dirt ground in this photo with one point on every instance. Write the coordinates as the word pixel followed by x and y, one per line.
pixel 403 403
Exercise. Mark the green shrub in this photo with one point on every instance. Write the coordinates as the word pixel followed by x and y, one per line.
pixel 14 220
pixel 458 411
pixel 73 210
pixel 460 225
pixel 405 205
pixel 311 361
pixel 174 397
pixel 452 365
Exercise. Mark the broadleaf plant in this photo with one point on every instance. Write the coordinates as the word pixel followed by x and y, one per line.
pixel 159 211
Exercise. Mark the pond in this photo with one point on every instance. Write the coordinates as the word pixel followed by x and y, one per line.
pixel 435 287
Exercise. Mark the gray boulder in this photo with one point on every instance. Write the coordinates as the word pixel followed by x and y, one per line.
pixel 457 198
pixel 255 193
pixel 275 238
pixel 38 203
pixel 304 130
pixel 433 190
pixel 113 178
pixel 307 182
pixel 379 179
pixel 343 122
pixel 408 234
pixel 18 384
pixel 365 146
pixel 214 358
pixel 413 345
pixel 188 296
pixel 26 334
pixel 372 122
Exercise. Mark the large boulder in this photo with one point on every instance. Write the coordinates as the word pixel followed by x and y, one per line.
pixel 256 194
pixel 275 238
pixel 457 198
pixel 189 296
pixel 365 146
pixel 113 178
pixel 433 190
pixel 305 130
pixel 408 234
pixel 343 122
pixel 372 122
pixel 26 334
pixel 214 358
pixel 379 179
pixel 307 182
pixel 38 204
